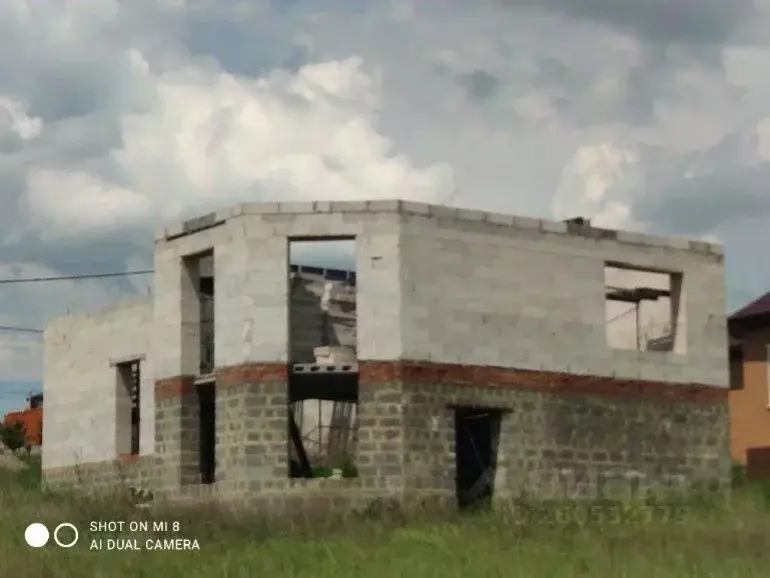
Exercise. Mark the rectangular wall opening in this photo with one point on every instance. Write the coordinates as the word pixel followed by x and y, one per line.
pixel 128 407
pixel 198 312
pixel 323 383
pixel 207 407
pixel 477 435
pixel 644 309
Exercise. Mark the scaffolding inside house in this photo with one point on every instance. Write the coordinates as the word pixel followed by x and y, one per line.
pixel 656 319
pixel 323 382
pixel 323 417
pixel 645 340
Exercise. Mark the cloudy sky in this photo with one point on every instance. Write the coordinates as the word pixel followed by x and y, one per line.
pixel 114 115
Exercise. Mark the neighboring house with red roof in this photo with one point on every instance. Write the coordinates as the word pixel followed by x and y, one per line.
pixel 31 419
pixel 749 330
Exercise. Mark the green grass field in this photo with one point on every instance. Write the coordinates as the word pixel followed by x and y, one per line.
pixel 715 537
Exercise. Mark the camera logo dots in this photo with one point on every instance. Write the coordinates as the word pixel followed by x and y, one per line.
pixel 36 535
pixel 65 535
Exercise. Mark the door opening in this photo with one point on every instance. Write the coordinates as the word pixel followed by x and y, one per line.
pixel 207 405
pixel 477 433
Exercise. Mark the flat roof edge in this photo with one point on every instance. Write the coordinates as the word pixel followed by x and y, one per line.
pixel 217 218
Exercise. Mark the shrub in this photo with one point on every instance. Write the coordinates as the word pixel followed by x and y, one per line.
pixel 12 436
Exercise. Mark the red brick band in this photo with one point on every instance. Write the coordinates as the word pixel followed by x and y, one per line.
pixel 233 375
pixel 472 376
pixel 545 381
pixel 174 387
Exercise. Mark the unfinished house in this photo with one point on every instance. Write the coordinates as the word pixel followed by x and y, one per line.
pixel 456 356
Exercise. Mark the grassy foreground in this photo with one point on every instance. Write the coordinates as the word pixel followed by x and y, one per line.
pixel 719 537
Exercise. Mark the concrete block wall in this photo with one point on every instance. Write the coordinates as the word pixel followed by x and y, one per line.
pixel 510 292
pixel 571 446
pixel 376 237
pixel 80 382
pixel 251 282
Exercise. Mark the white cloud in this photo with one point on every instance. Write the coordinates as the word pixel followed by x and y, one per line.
pixel 214 138
pixel 14 119
pixel 535 106
pixel 78 202
pixel 589 186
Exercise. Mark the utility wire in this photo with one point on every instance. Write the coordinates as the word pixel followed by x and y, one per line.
pixel 15 280
pixel 20 329
pixel 74 277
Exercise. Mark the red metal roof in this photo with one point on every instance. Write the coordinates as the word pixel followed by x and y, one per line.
pixel 758 307
pixel 32 422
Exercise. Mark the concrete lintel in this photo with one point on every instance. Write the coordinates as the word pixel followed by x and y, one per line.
pixel 115 361
pixel 480 408
pixel 324 368
pixel 628 266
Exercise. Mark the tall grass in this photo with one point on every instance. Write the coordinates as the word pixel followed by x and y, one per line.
pixel 721 537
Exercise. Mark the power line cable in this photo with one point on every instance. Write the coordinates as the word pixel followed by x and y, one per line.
pixel 15 280
pixel 20 329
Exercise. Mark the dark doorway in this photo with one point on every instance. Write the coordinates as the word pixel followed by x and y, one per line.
pixel 477 432
pixel 207 404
